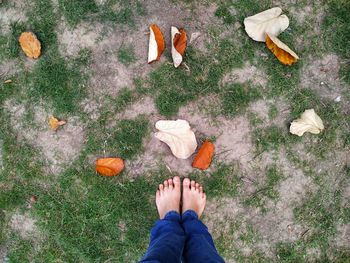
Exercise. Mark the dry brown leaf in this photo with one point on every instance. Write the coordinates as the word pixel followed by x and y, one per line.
pixel 178 45
pixel 283 53
pixel 204 156
pixel 178 136
pixel 30 44
pixel 156 44
pixel 109 166
pixel 8 81
pixel 33 199
pixel 55 123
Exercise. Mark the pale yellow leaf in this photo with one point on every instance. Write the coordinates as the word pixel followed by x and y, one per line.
pixel 178 136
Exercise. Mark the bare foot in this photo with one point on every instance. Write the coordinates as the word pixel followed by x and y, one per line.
pixel 193 197
pixel 168 196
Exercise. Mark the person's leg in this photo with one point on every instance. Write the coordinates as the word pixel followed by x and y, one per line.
pixel 167 236
pixel 199 246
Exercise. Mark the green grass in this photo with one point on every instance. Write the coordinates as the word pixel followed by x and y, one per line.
pixel 271 138
pixel 267 190
pixel 75 11
pixel 13 49
pixel 124 140
pixel 55 80
pixel 273 112
pixel 84 217
pixel 126 55
pixel 236 98
pixel 224 181
pixel 174 88
pixel 126 13
pixel 43 21
pixel 128 137
pixel 336 24
pixel 78 221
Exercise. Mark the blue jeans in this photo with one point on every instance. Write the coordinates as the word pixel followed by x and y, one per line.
pixel 176 239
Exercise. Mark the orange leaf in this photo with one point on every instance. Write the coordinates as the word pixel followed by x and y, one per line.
pixel 109 166
pixel 180 41
pixel 178 45
pixel 283 53
pixel 30 44
pixel 55 123
pixel 204 156
pixel 156 43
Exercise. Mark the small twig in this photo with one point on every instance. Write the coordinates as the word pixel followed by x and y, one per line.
pixel 224 152
pixel 186 67
pixel 304 232
pixel 259 191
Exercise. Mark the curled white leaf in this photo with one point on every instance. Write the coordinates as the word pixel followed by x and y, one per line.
pixel 178 136
pixel 267 22
pixel 156 44
pixel 309 121
pixel 178 45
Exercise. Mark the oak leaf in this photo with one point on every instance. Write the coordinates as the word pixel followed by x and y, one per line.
pixel 267 22
pixel 283 53
pixel 309 121
pixel 204 156
pixel 30 44
pixel 156 44
pixel 178 136
pixel 55 123
pixel 178 45
pixel 109 166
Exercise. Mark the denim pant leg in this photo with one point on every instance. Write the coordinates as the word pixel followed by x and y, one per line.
pixel 167 240
pixel 199 247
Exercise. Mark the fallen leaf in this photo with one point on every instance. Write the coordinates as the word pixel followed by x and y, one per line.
pixel 55 123
pixel 178 45
pixel 283 53
pixel 267 22
pixel 30 44
pixel 33 199
pixel 309 122
pixel 204 156
pixel 178 136
pixel 8 81
pixel 109 166
pixel 156 44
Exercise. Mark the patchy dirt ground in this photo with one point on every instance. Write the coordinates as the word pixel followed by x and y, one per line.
pixel 24 225
pixel 240 228
pixel 58 148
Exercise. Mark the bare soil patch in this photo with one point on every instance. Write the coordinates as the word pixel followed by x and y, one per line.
pixel 58 148
pixel 24 225
pixel 342 239
pixel 15 12
pixel 233 139
pixel 72 40
pixel 274 226
pixel 247 73
pixel 144 106
pixel 261 109
pixel 322 76
pixel 109 74
pixel 8 68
